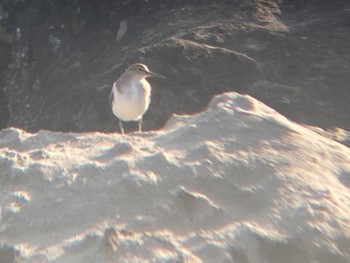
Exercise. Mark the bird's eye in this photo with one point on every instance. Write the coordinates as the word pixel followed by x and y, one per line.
pixel 140 69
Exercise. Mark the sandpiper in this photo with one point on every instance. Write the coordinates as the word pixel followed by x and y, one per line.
pixel 131 94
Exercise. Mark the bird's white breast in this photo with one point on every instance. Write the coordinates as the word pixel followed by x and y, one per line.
pixel 132 102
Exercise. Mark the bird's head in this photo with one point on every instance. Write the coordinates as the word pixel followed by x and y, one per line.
pixel 141 71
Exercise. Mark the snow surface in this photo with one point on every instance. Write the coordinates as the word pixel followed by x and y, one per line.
pixel 236 183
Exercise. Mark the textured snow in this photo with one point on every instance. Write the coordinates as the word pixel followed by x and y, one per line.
pixel 236 183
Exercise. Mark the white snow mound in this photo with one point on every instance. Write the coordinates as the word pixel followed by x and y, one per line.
pixel 236 183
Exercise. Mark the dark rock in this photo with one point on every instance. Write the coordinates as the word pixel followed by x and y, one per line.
pixel 70 52
pixel 8 254
pixel 293 102
pixel 5 59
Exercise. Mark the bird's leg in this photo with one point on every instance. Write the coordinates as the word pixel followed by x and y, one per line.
pixel 121 126
pixel 140 124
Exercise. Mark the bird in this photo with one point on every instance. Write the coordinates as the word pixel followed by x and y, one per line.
pixel 131 94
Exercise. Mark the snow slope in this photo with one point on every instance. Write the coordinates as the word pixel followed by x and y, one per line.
pixel 236 183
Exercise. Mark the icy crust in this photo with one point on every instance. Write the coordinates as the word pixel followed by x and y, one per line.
pixel 236 183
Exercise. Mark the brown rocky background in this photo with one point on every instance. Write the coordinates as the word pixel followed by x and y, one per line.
pixel 60 58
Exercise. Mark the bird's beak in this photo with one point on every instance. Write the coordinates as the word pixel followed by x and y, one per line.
pixel 152 74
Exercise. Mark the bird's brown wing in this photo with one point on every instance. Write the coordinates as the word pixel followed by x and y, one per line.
pixel 111 99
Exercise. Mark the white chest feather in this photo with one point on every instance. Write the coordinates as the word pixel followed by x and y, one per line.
pixel 131 102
